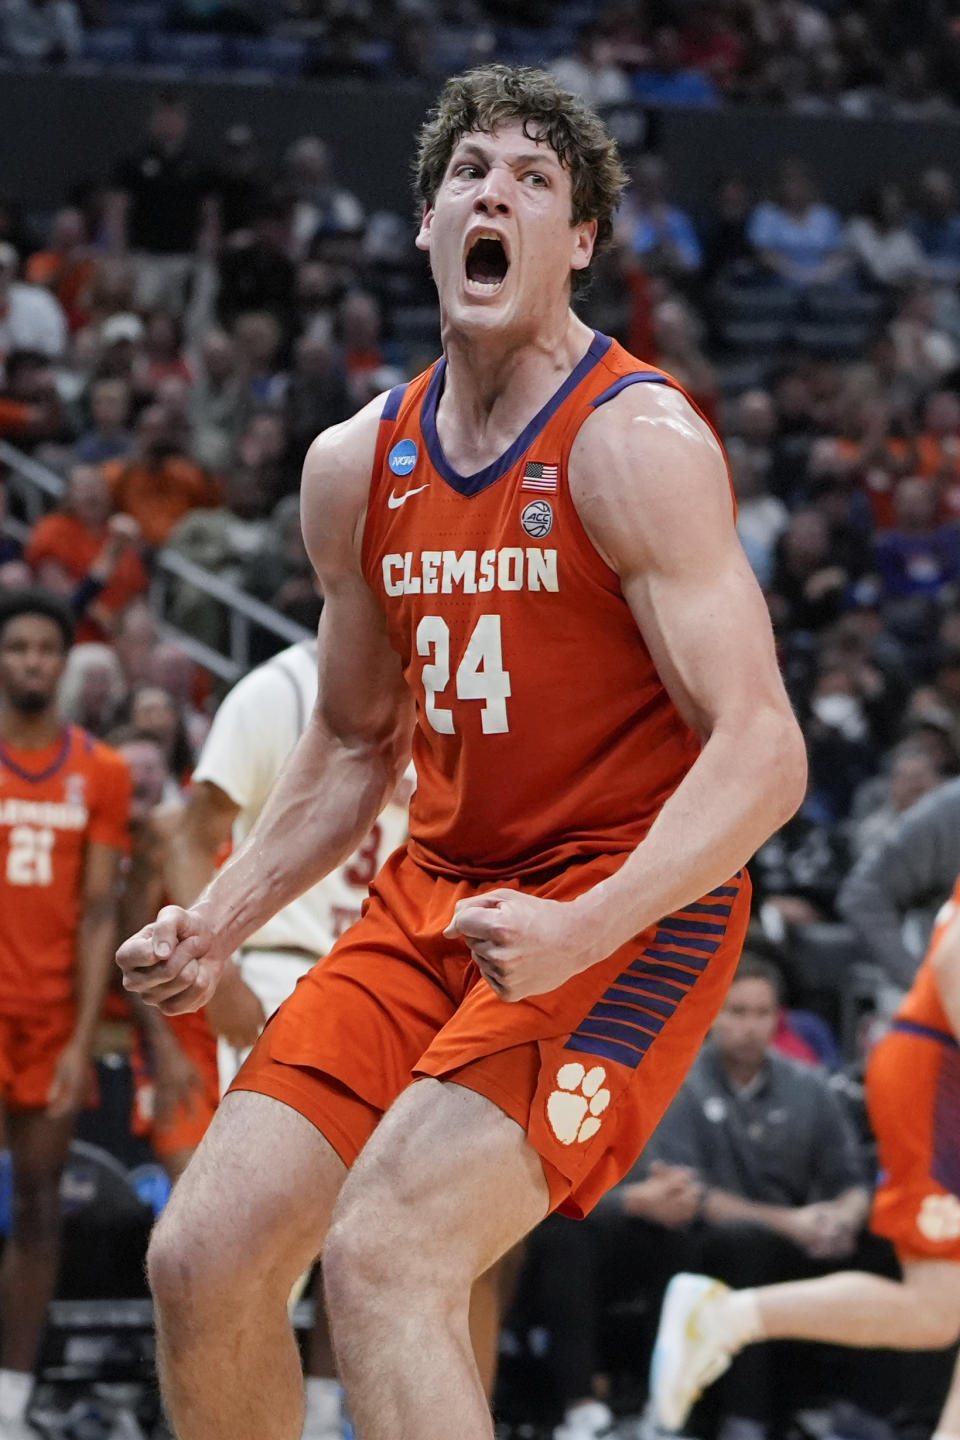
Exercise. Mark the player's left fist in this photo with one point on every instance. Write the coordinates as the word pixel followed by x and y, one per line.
pixel 522 944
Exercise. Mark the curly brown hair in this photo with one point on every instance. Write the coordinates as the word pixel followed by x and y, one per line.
pixel 494 95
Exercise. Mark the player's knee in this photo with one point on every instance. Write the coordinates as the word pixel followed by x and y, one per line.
pixel 189 1272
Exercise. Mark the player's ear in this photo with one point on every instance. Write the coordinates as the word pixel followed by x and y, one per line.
pixel 584 239
pixel 423 235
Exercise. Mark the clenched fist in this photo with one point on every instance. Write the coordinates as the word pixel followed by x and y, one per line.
pixel 523 945
pixel 174 963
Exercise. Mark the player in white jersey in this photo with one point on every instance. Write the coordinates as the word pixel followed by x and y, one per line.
pixel 255 728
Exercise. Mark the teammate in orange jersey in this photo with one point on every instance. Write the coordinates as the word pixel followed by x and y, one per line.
pixel 64 805
pixel 913 1097
pixel 530 569
pixel 177 1092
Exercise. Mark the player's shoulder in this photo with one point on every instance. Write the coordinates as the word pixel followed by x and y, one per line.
pixel 295 667
pixel 345 449
pixel 335 485
pixel 652 419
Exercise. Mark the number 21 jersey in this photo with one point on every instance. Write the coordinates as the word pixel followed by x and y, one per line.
pixel 543 729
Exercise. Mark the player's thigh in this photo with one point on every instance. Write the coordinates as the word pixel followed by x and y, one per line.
pixel 936 1284
pixel 446 1176
pixel 255 1199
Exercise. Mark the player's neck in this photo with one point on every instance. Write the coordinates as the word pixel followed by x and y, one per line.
pixel 29 732
pixel 496 383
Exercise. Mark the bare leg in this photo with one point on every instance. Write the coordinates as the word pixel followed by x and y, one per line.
pixel 28 1274
pixel 489 1300
pixel 246 1219
pixel 446 1185
pixel 851 1308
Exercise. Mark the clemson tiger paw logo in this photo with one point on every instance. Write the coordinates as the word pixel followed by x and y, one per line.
pixel 939 1218
pixel 574 1107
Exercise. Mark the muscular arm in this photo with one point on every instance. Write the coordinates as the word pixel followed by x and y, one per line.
pixel 344 766
pixel 662 517
pixel 204 828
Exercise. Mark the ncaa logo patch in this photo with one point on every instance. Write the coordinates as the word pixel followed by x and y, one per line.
pixel 537 518
pixel 403 457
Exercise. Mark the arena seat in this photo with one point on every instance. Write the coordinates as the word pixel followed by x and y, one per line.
pixel 827 973
pixel 191 53
pixel 111 46
pixel 276 55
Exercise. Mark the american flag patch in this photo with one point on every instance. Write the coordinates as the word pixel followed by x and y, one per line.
pixel 540 477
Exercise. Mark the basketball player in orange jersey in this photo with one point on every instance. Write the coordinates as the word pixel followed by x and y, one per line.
pixel 64 805
pixel 176 1096
pixel 530 570
pixel 913 1097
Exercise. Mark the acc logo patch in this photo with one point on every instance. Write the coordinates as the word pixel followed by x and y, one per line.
pixel 403 457
pixel 939 1218
pixel 537 518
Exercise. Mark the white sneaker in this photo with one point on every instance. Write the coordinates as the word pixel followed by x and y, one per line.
pixel 689 1353
pixel 588 1421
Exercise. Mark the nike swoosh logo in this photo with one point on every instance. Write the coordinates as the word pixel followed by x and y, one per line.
pixel 394 501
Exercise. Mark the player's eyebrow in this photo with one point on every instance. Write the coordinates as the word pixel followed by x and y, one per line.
pixel 540 158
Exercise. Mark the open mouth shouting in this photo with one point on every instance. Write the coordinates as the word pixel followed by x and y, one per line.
pixel 486 263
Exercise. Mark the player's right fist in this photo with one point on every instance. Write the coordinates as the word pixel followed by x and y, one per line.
pixel 170 963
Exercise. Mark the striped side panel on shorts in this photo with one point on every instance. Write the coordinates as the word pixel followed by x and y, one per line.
pixel 629 1016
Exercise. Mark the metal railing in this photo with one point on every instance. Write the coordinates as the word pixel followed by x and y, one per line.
pixel 38 489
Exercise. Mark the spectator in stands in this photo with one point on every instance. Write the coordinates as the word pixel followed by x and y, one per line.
pixel 93 689
pixel 30 409
pixel 40 32
pixel 317 394
pixel 80 552
pixel 281 574
pixel 256 269
pixel 659 234
pixel 163 349
pixel 162 185
pixel 911 773
pixel 218 400
pixel 923 352
pixel 796 237
pixel 110 436
pixel 136 638
pixel 258 337
pixel 30 384
pixel 885 249
pixel 158 483
pixel 917 560
pixel 30 317
pixel 152 710
pixel 785 1190
pixel 936 224
pixel 911 94
pixel 710 43
pixel 67 266
pixel 237 182
pixel 666 79
pixel 677 349
pixel 591 70
pixel 727 252
pixel 172 670
pixel 761 517
pixel 809 582
pixel 362 351
pixel 910 874
pixel 321 206
pixel 263 451
pixel 935 452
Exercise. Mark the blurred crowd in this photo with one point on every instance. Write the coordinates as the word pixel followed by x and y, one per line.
pixel 898 58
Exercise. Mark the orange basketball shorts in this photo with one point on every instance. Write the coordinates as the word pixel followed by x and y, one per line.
pixel 587 1070
pixel 913 1097
pixel 30 1046
pixel 186 1124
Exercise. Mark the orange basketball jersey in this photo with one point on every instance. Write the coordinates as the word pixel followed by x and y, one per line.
pixel 922 1009
pixel 544 731
pixel 53 802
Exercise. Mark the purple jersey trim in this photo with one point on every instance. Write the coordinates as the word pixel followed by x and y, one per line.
pixel 36 777
pixel 636 379
pixel 391 406
pixel 474 484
